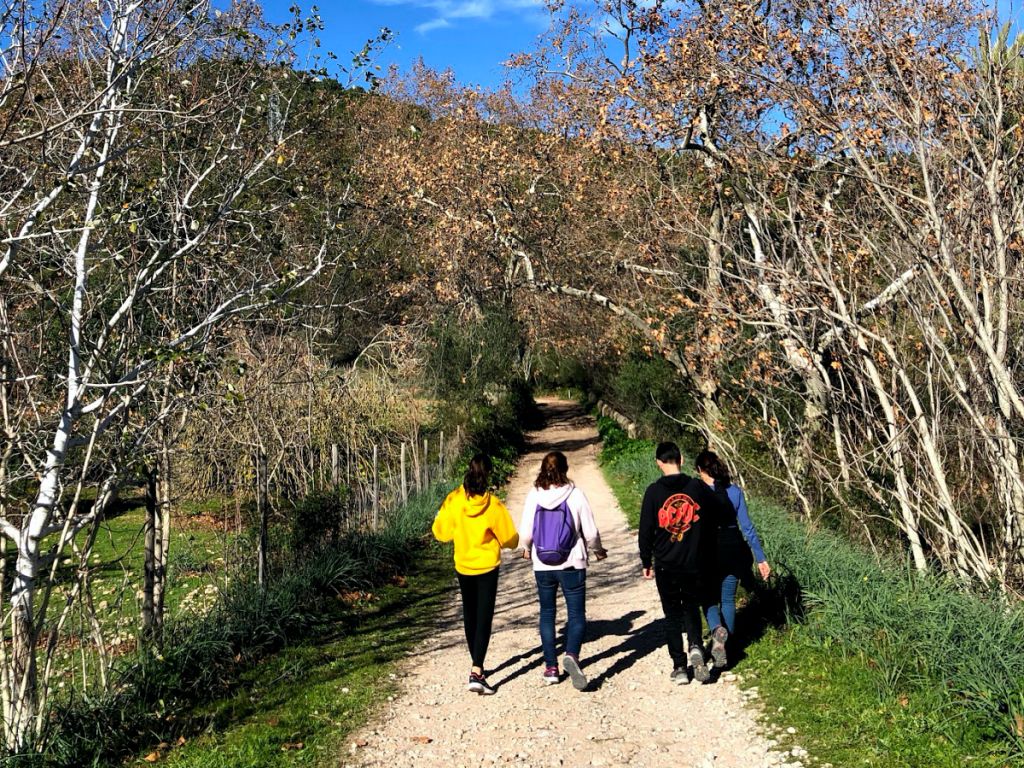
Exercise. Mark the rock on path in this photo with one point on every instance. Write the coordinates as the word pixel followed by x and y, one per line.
pixel 630 714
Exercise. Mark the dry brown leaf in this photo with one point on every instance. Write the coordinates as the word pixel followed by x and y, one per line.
pixel 360 743
pixel 421 739
pixel 181 740
pixel 292 745
pixel 1018 724
pixel 152 757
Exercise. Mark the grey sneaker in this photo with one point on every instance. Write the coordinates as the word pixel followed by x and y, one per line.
pixel 701 673
pixel 718 639
pixel 680 676
pixel 572 668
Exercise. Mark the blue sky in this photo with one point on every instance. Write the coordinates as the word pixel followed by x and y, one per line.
pixel 472 37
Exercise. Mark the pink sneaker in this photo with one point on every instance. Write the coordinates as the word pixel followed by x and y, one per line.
pixel 550 676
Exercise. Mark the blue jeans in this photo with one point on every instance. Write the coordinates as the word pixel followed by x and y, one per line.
pixel 573 582
pixel 726 615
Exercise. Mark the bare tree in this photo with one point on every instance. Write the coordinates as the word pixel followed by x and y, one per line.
pixel 140 214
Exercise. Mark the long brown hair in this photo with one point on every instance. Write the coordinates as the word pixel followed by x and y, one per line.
pixel 708 461
pixel 554 470
pixel 478 475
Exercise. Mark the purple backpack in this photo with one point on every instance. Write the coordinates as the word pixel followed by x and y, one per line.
pixel 554 533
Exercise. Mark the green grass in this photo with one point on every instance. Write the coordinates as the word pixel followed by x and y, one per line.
pixel 873 663
pixel 845 715
pixel 315 694
pixel 628 466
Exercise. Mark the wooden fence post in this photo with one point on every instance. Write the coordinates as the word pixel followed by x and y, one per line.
pixel 405 479
pixel 335 465
pixel 262 502
pixel 416 466
pixel 426 464
pixel 376 488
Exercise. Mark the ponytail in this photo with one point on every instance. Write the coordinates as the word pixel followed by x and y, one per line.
pixel 477 476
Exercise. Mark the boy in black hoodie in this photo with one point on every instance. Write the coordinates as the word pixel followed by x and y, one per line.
pixel 678 529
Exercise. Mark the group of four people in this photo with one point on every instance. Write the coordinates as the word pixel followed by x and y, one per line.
pixel 696 541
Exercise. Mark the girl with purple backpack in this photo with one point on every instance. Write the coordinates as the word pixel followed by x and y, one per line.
pixel 557 532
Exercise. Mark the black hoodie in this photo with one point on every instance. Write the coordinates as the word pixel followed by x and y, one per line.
pixel 679 521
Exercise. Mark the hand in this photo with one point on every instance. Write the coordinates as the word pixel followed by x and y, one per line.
pixel 764 569
pixel 648 573
pixel 526 554
pixel 600 554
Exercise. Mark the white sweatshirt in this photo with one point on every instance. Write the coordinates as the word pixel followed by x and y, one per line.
pixel 583 519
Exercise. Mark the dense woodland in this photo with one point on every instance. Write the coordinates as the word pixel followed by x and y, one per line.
pixel 790 230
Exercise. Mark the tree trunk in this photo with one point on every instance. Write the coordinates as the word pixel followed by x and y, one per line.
pixel 164 496
pixel 151 539
pixel 405 477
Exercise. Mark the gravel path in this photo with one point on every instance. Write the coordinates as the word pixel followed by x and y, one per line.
pixel 630 714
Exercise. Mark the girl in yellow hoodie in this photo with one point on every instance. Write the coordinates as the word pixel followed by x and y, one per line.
pixel 481 527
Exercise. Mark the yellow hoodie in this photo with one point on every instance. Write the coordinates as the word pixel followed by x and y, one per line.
pixel 480 526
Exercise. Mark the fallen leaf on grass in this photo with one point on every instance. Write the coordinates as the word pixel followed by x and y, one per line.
pixel 1018 724
pixel 292 745
pixel 421 739
pixel 152 757
pixel 181 741
pixel 903 700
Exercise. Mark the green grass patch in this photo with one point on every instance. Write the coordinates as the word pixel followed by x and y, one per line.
pixel 628 466
pixel 317 693
pixel 846 711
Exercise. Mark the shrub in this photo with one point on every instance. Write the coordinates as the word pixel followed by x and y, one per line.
pixel 317 520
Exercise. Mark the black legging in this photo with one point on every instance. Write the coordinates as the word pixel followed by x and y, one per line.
pixel 478 595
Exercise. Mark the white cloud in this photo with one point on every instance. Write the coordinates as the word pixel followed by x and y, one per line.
pixel 429 26
pixel 446 10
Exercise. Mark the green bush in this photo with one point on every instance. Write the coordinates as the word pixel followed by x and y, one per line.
pixel 646 389
pixel 318 519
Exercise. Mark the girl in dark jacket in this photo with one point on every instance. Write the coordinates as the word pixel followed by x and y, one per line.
pixel 738 549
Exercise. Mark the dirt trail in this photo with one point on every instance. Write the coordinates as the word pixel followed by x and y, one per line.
pixel 630 714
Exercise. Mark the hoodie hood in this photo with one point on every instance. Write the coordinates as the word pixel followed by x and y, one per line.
pixel 549 498
pixel 674 483
pixel 474 506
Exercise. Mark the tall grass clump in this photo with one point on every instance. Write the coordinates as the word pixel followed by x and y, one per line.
pixel 921 630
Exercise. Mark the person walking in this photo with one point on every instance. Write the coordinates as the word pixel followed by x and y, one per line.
pixel 558 532
pixel 738 548
pixel 481 527
pixel 678 526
